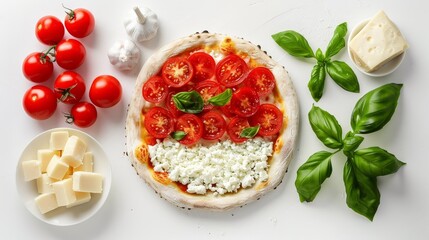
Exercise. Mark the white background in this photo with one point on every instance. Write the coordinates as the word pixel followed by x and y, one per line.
pixel 134 211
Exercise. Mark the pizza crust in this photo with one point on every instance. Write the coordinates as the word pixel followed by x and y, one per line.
pixel 281 157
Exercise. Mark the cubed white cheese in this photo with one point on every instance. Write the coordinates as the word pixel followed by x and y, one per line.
pixel 31 170
pixel 64 192
pixel 44 156
pixel 81 197
pixel 87 163
pixel 87 182
pixel 44 184
pixel 57 169
pixel 73 152
pixel 58 140
pixel 46 202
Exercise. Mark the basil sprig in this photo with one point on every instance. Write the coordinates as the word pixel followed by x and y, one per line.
pixel 363 166
pixel 296 45
pixel 189 102
pixel 222 98
pixel 249 132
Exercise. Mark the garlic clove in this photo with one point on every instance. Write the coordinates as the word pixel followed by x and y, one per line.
pixel 142 25
pixel 124 55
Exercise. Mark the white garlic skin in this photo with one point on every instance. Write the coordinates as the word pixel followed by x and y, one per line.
pixel 124 55
pixel 140 32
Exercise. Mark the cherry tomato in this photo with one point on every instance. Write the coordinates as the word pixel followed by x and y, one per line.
pixel 69 87
pixel 70 54
pixel 192 126
pixel 262 80
pixel 177 71
pixel 39 102
pixel 159 122
pixel 214 125
pixel 105 91
pixel 49 30
pixel 227 110
pixel 245 102
pixel 235 127
pixel 169 103
pixel 203 64
pixel 82 114
pixel 231 71
pixel 269 118
pixel 155 90
pixel 37 67
pixel 208 89
pixel 79 22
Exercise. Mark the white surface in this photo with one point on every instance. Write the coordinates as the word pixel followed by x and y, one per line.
pixel 64 216
pixel 134 211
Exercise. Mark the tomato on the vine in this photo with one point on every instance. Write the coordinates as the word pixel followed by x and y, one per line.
pixel 231 71
pixel 39 102
pixel 105 91
pixel 37 67
pixel 159 122
pixel 262 80
pixel 49 30
pixel 235 127
pixel 245 102
pixel 69 87
pixel 177 71
pixel 203 64
pixel 214 125
pixel 155 90
pixel 82 114
pixel 269 118
pixel 70 54
pixel 192 126
pixel 79 22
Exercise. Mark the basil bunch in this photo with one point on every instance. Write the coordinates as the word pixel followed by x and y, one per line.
pixel 371 113
pixel 296 45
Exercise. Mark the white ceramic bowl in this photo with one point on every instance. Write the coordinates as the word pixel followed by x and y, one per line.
pixel 386 69
pixel 64 216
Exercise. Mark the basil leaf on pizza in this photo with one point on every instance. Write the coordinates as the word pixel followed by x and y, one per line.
pixel 178 135
pixel 221 99
pixel 189 102
pixel 249 132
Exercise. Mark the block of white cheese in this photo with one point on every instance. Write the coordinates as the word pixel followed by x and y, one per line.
pixel 81 197
pixel 46 202
pixel 87 182
pixel 57 169
pixel 377 43
pixel 58 140
pixel 44 156
pixel 31 170
pixel 87 163
pixel 64 192
pixel 44 184
pixel 73 152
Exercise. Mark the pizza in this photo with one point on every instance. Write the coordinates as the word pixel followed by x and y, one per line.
pixel 212 122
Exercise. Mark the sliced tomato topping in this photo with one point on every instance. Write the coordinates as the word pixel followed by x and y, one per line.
pixel 269 118
pixel 245 102
pixel 155 90
pixel 231 71
pixel 227 110
pixel 177 71
pixel 214 125
pixel 208 89
pixel 171 106
pixel 235 127
pixel 159 122
pixel 192 126
pixel 203 64
pixel 262 80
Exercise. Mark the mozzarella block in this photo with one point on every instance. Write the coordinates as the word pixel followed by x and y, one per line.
pixel 377 43
pixel 46 202
pixel 31 170
pixel 57 169
pixel 87 182
pixel 64 192
pixel 87 163
pixel 44 156
pixel 81 197
pixel 44 184
pixel 73 151
pixel 58 140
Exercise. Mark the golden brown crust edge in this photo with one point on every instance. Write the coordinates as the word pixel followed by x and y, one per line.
pixel 280 160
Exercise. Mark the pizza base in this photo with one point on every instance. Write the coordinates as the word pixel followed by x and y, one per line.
pixel 280 160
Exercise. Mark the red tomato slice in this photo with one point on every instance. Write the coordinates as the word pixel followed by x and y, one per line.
pixel 245 102
pixel 234 128
pixel 208 89
pixel 155 90
pixel 203 64
pixel 231 71
pixel 169 103
pixel 159 122
pixel 192 126
pixel 227 110
pixel 269 118
pixel 214 125
pixel 262 80
pixel 177 71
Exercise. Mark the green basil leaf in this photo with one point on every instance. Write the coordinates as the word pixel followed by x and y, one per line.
pixel 337 41
pixel 189 102
pixel 249 132
pixel 293 43
pixel 375 161
pixel 178 135
pixel 351 142
pixel 326 127
pixel 343 75
pixel 362 191
pixel 222 98
pixel 375 109
pixel 317 81
pixel 312 174
pixel 319 55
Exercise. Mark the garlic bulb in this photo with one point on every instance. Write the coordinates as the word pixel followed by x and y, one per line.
pixel 142 25
pixel 124 55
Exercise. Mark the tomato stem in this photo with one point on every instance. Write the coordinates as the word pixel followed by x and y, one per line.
pixel 140 17
pixel 70 12
pixel 48 52
pixel 66 92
